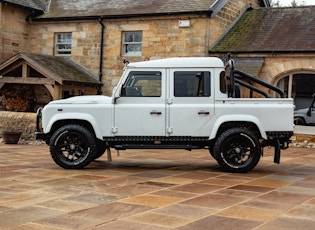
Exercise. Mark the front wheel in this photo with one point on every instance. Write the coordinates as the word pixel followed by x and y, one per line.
pixel 72 146
pixel 237 150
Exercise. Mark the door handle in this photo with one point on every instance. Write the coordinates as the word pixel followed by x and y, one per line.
pixel 155 112
pixel 203 112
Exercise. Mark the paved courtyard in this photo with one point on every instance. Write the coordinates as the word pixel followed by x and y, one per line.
pixel 155 190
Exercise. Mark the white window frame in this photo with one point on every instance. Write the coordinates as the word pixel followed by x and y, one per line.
pixel 134 42
pixel 288 89
pixel 66 41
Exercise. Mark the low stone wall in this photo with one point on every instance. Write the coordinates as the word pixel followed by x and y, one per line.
pixel 19 121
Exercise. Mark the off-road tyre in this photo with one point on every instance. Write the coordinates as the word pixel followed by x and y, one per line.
pixel 73 146
pixel 299 121
pixel 237 150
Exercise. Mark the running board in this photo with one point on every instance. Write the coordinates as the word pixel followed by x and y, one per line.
pixel 141 146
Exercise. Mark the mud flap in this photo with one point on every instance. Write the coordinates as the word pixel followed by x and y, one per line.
pixel 109 155
pixel 277 152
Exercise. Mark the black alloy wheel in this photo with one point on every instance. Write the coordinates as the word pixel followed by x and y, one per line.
pixel 72 146
pixel 237 150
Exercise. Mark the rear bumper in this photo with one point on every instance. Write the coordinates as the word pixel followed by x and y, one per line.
pixel 275 138
pixel 279 140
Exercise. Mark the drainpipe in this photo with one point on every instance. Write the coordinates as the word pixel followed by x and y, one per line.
pixel 99 92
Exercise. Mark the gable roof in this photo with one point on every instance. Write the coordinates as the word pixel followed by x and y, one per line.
pixel 124 8
pixel 271 30
pixel 40 5
pixel 60 69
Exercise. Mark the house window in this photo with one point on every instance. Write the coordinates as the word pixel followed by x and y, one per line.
pixel 63 44
pixel 132 43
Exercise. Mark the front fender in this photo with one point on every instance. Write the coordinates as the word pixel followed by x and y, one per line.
pixel 73 116
pixel 237 118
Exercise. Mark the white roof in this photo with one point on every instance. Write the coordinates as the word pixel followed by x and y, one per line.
pixel 180 62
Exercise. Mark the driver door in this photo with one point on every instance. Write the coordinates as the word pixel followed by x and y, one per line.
pixel 140 108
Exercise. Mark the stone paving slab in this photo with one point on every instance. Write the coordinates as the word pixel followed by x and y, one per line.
pixel 155 190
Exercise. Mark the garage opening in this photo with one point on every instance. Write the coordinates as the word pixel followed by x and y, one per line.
pixel 299 86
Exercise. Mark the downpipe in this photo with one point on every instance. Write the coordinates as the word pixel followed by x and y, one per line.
pixel 99 91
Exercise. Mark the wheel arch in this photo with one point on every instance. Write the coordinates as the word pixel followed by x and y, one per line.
pixel 86 121
pixel 249 122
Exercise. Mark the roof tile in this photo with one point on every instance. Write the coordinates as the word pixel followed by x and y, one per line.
pixel 33 4
pixel 271 30
pixel 64 69
pixel 83 8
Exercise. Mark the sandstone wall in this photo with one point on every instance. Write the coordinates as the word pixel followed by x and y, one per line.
pixel 14 31
pixel 18 121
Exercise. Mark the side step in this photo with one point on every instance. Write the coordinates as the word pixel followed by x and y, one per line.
pixel 142 146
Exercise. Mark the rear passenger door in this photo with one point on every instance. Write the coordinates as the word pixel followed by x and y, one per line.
pixel 190 103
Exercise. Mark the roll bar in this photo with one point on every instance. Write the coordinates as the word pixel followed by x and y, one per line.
pixel 235 77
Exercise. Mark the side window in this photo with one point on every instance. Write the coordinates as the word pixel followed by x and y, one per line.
pixel 63 44
pixel 142 84
pixel 223 85
pixel 191 84
pixel 132 43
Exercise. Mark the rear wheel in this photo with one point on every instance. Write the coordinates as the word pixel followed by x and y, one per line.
pixel 299 121
pixel 72 146
pixel 237 150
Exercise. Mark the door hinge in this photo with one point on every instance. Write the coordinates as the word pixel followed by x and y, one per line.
pixel 114 129
pixel 169 130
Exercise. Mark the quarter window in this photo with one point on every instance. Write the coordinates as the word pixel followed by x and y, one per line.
pixel 63 44
pixel 191 84
pixel 132 43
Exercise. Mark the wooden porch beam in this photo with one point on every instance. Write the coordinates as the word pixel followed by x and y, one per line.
pixel 54 91
pixel 32 81
pixel 12 67
pixel 24 71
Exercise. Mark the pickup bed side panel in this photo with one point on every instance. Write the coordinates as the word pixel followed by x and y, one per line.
pixel 270 114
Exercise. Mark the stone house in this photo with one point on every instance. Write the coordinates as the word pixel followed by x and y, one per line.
pixel 97 35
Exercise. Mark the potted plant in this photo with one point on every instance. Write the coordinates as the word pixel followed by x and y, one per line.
pixel 11 137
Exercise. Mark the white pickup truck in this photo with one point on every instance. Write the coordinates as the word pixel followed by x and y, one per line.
pixel 174 103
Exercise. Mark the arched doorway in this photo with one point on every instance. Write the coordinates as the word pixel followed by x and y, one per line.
pixel 299 86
